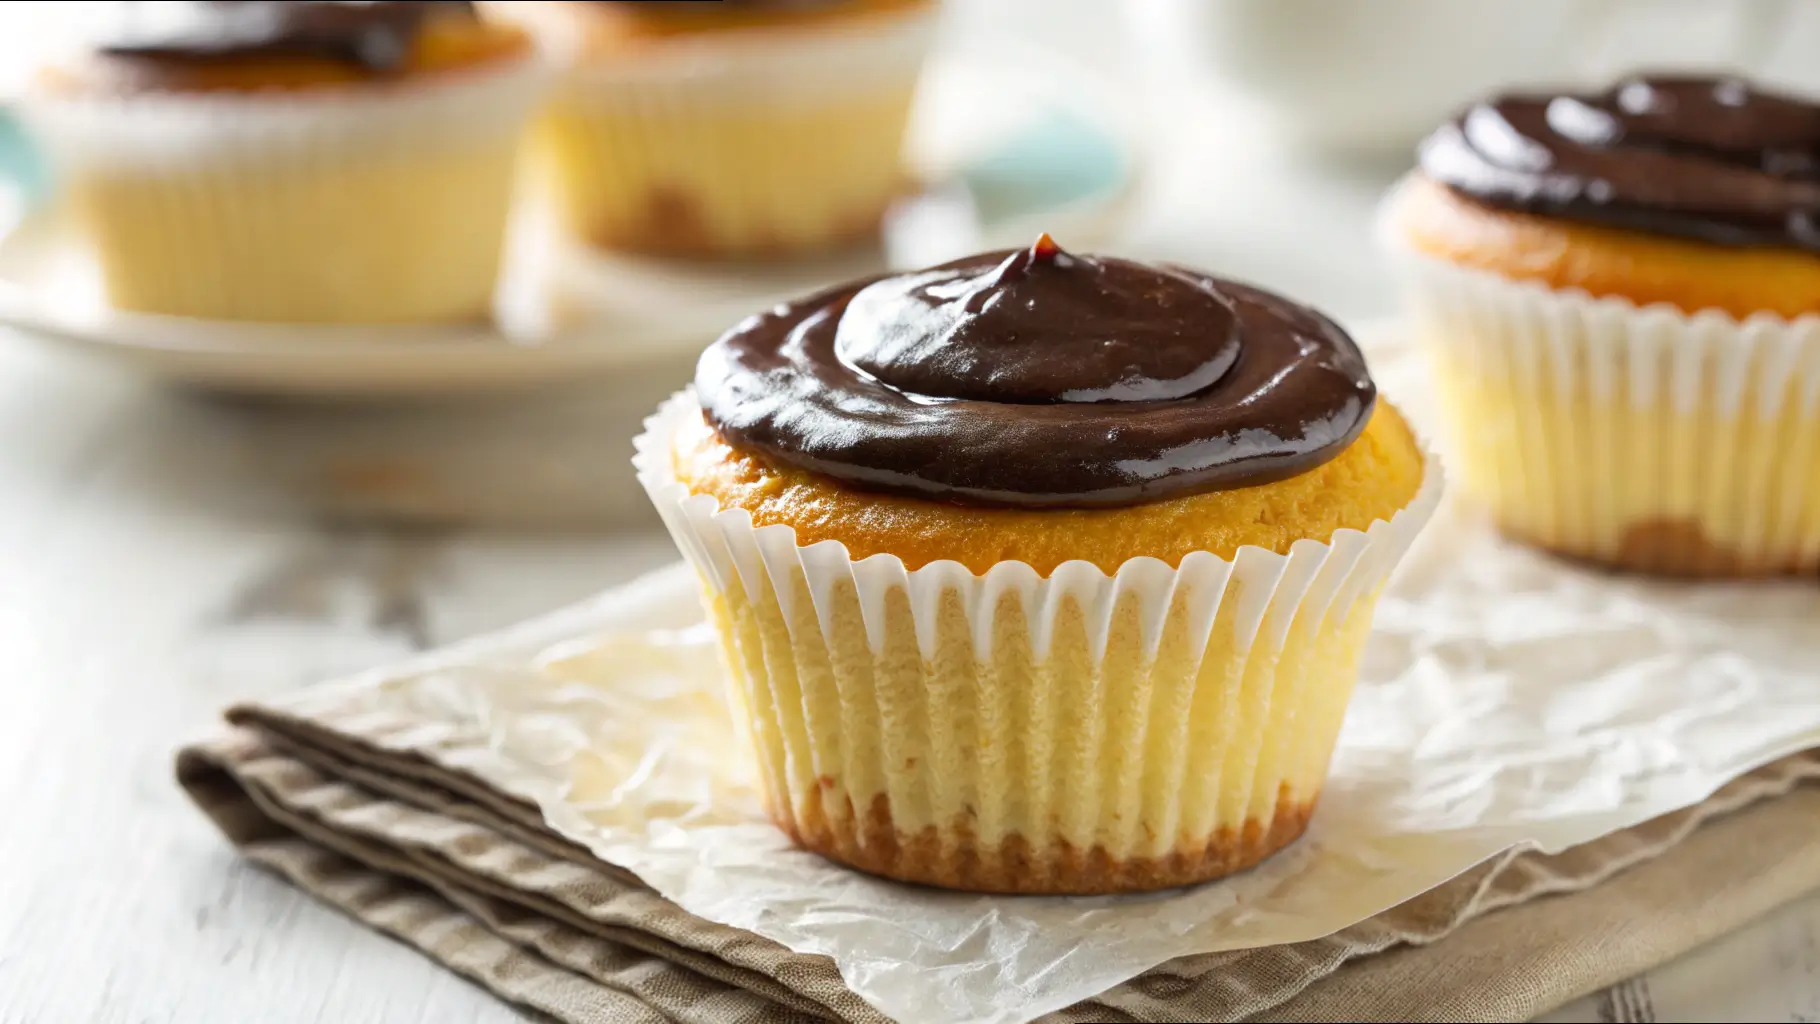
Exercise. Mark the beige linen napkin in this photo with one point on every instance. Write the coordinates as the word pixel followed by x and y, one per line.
pixel 375 814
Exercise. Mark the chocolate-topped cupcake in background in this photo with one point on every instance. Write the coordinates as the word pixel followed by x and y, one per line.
pixel 308 162
pixel 1620 292
pixel 1039 572
pixel 743 128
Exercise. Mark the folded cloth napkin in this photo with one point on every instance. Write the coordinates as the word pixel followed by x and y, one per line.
pixel 376 815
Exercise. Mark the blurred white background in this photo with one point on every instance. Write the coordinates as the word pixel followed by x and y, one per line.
pixel 1274 124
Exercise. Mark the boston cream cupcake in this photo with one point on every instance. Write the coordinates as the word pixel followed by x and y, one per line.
pixel 1621 295
pixel 732 129
pixel 1038 572
pixel 302 161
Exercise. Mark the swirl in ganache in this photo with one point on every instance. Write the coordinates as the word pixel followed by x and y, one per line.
pixel 1039 378
pixel 1712 159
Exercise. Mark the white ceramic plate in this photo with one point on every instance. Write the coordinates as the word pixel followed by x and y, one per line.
pixel 1014 145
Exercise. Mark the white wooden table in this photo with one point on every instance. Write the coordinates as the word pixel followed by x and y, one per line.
pixel 164 555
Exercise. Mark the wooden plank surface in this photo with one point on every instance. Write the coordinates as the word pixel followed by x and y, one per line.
pixel 129 614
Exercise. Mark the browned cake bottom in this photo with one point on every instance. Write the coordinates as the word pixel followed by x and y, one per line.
pixel 673 226
pixel 954 858
pixel 1679 548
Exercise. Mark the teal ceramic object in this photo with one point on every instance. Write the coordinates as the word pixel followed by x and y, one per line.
pixel 1060 158
pixel 21 168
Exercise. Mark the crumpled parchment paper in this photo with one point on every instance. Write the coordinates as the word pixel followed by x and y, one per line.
pixel 1507 699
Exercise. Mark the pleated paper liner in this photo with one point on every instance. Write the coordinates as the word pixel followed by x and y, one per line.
pixel 1641 438
pixel 1013 732
pixel 737 144
pixel 374 204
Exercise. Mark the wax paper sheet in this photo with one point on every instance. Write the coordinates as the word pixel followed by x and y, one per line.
pixel 1507 699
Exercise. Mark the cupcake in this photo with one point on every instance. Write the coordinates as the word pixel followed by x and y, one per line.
pixel 306 162
pixel 1620 293
pixel 744 128
pixel 1035 572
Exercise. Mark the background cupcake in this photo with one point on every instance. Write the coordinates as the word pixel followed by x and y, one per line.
pixel 739 128
pixel 1036 572
pixel 307 161
pixel 1621 295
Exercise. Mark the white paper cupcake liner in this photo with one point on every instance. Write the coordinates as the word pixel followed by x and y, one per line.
pixel 744 143
pixel 365 204
pixel 162 131
pixel 1642 437
pixel 1157 759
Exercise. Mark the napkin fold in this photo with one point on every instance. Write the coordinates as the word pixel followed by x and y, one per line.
pixel 375 813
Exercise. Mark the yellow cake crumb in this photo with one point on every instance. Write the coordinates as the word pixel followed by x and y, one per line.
pixel 1375 477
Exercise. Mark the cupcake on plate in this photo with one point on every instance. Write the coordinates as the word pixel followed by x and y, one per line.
pixel 1620 292
pixel 742 128
pixel 307 162
pixel 1038 572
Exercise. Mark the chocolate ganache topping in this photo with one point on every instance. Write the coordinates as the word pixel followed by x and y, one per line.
pixel 1712 159
pixel 375 36
pixel 1039 378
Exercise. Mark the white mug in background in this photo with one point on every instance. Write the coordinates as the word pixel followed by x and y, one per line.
pixel 1375 77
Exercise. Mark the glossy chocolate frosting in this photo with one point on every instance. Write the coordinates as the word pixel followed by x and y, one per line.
pixel 1713 159
pixel 375 36
pixel 1038 378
